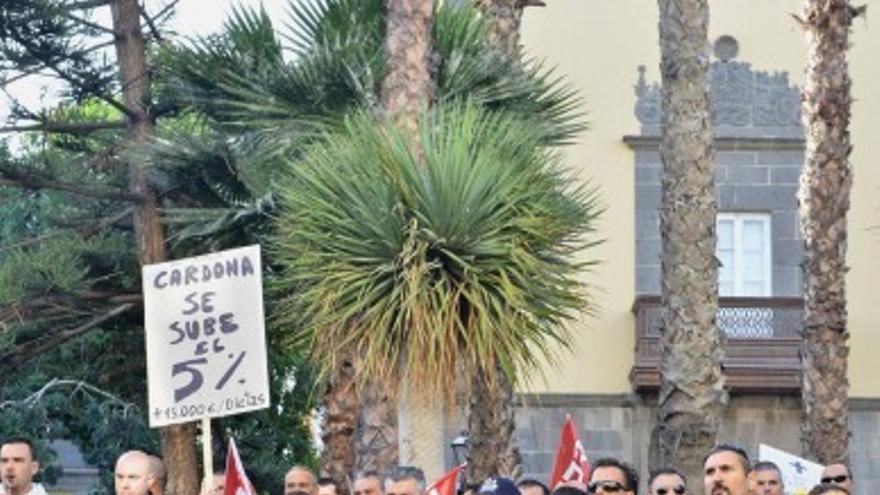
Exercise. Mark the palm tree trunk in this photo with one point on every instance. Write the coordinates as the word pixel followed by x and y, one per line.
pixel 692 385
pixel 337 431
pixel 408 88
pixel 491 423
pixel 178 442
pixel 492 413
pixel 376 439
pixel 504 18
pixel 826 181
pixel 406 91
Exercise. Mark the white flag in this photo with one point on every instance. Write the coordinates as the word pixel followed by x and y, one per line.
pixel 798 474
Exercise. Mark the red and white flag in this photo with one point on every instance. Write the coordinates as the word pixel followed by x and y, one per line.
pixel 571 463
pixel 237 482
pixel 445 485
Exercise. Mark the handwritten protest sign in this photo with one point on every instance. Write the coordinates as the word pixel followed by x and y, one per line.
pixel 206 345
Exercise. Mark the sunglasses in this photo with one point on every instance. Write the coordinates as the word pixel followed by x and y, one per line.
pixel 678 490
pixel 834 479
pixel 607 486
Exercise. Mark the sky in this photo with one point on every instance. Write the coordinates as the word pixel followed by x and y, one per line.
pixel 192 18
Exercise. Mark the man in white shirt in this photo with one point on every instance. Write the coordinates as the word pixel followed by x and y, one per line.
pixel 18 465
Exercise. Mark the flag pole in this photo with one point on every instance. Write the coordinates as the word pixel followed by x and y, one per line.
pixel 207 456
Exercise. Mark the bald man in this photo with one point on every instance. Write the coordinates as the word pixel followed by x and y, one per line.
pixel 300 480
pixel 133 475
pixel 157 471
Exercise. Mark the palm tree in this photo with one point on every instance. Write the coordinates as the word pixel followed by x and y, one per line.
pixel 274 108
pixel 491 412
pixel 406 91
pixel 825 185
pixel 504 18
pixel 692 385
pixel 433 259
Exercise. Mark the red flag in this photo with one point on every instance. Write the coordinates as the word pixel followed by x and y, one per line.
pixel 571 463
pixel 237 482
pixel 445 485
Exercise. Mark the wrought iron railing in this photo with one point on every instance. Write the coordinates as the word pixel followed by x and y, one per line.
pixel 761 349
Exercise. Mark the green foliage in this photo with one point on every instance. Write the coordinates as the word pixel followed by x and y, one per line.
pixel 33 31
pixel 435 260
pixel 68 257
pixel 338 62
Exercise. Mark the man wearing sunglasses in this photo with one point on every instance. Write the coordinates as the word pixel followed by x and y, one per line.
pixel 726 471
pixel 667 481
pixel 611 476
pixel 838 474
pixel 767 479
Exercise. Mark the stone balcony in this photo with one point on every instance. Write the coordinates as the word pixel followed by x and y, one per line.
pixel 761 351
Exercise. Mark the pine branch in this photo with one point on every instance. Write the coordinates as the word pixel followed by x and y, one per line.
pixel 42 67
pixel 88 23
pixel 26 73
pixel 28 351
pixel 86 231
pixel 66 127
pixel 13 178
pixel 70 78
pixel 165 10
pixel 87 4
pixel 78 386
pixel 149 21
pixel 61 304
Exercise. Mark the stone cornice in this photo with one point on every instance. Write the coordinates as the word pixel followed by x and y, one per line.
pixel 652 143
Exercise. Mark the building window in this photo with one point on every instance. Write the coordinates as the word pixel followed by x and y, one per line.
pixel 744 251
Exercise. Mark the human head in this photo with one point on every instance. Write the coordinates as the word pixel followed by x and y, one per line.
pixel 828 489
pixel 405 480
pixel 157 471
pixel 570 489
pixel 667 481
pixel 838 474
pixel 300 480
pixel 726 471
pixel 133 475
pixel 498 485
pixel 367 483
pixel 19 464
pixel 327 486
pixel 470 489
pixel 767 479
pixel 216 485
pixel 612 476
pixel 529 486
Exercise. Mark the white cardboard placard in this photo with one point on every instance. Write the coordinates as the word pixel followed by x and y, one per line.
pixel 205 331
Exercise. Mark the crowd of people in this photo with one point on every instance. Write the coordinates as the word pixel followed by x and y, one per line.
pixel 727 471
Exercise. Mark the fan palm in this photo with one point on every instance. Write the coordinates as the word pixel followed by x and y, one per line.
pixel 268 95
pixel 432 262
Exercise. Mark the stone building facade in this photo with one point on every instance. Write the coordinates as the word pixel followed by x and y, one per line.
pixel 759 150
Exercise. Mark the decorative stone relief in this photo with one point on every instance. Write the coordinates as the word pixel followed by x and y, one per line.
pixel 741 97
pixel 648 102
pixel 730 90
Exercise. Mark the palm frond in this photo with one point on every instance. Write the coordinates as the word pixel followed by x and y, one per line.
pixel 339 60
pixel 429 262
pixel 216 188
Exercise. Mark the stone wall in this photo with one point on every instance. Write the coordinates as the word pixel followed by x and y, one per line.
pixel 758 156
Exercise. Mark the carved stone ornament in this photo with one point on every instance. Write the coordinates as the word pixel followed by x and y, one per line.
pixel 740 97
